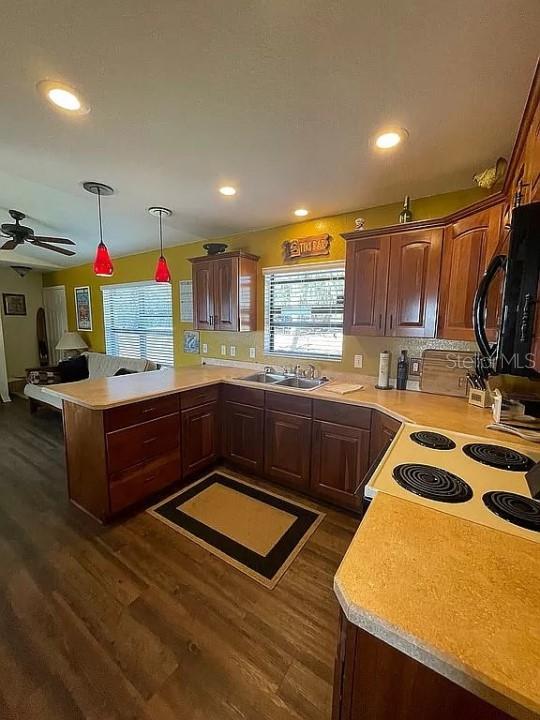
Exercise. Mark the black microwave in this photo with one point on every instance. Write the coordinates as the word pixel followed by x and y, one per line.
pixel 513 351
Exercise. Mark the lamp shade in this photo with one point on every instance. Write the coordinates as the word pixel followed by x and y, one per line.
pixel 103 266
pixel 71 341
pixel 162 271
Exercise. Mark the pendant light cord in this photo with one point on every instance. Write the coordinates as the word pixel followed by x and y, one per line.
pixel 99 215
pixel 160 234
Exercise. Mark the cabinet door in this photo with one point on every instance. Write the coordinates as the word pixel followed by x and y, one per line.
pixel 226 294
pixel 413 284
pixel 383 431
pixel 243 432
pixel 203 295
pixel 340 459
pixel 199 437
pixel 366 276
pixel 287 448
pixel 469 245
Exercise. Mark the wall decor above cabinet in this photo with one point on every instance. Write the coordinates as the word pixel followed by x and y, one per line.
pixel 225 292
pixel 312 246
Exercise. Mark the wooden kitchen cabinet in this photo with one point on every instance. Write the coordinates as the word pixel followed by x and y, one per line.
pixel 242 421
pixel 287 455
pixel 200 429
pixel 225 292
pixel 413 283
pixel 468 246
pixel 383 430
pixel 374 681
pixel 340 452
pixel 366 279
pixel 392 283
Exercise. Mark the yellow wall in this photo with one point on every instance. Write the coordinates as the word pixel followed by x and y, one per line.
pixel 20 331
pixel 266 244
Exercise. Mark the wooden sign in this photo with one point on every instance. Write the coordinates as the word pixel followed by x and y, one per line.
pixel 306 247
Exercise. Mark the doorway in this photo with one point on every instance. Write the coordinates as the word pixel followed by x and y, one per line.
pixel 54 302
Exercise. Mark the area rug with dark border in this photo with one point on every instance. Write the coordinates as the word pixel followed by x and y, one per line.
pixel 258 532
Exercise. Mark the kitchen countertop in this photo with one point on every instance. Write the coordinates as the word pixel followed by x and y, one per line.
pixel 446 413
pixel 461 598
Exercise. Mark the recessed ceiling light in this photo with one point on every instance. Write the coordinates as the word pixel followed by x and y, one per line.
pixel 63 96
pixel 227 190
pixel 390 138
pixel 301 212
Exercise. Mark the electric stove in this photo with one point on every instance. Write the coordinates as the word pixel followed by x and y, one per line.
pixel 472 478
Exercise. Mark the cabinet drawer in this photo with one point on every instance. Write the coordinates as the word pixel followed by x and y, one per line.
pixel 243 395
pixel 137 483
pixel 342 414
pixel 136 444
pixel 126 415
pixel 199 396
pixel 283 402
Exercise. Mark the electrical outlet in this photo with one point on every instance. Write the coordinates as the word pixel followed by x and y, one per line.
pixel 359 361
pixel 204 348
pixel 252 353
pixel 415 366
pixel 232 351
pixel 223 350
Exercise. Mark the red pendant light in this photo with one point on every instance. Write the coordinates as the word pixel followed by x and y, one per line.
pixel 162 274
pixel 103 266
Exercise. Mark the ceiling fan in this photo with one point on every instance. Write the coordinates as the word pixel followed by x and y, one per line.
pixel 20 234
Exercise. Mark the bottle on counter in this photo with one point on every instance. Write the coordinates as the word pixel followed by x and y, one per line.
pixel 402 371
pixel 405 215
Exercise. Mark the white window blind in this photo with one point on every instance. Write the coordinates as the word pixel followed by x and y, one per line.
pixel 138 321
pixel 303 309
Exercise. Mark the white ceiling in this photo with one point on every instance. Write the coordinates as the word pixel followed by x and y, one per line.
pixel 278 97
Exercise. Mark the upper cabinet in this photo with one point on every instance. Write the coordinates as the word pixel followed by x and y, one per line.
pixel 391 284
pixel 225 292
pixel 469 244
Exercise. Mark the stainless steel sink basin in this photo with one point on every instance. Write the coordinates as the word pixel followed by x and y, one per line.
pixel 265 378
pixel 302 383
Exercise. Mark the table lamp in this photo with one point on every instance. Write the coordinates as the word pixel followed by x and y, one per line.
pixel 71 344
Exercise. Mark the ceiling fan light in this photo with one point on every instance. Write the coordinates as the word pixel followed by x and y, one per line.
pixel 162 274
pixel 103 266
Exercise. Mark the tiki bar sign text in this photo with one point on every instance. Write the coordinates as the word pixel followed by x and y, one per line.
pixel 306 247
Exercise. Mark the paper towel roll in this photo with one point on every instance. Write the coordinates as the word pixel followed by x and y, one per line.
pixel 384 369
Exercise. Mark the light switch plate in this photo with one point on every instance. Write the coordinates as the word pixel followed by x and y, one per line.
pixel 252 353
pixel 359 361
pixel 223 350
pixel 204 347
pixel 232 351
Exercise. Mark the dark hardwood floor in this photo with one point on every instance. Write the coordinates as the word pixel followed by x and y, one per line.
pixel 135 621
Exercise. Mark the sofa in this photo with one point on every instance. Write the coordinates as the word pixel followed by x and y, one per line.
pixel 99 365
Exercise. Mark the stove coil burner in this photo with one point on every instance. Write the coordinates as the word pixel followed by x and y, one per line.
pixel 516 509
pixel 432 483
pixel 433 440
pixel 497 456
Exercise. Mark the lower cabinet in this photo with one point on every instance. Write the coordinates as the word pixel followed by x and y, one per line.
pixel 340 459
pixel 199 437
pixel 243 436
pixel 287 448
pixel 374 681
pixel 383 431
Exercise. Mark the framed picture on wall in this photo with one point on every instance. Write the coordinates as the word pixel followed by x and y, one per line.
pixel 83 308
pixel 14 304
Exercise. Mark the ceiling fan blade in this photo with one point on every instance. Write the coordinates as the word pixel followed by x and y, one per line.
pixel 10 245
pixel 40 244
pixel 46 238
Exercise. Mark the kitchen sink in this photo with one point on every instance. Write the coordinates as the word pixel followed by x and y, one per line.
pixel 266 378
pixel 302 383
